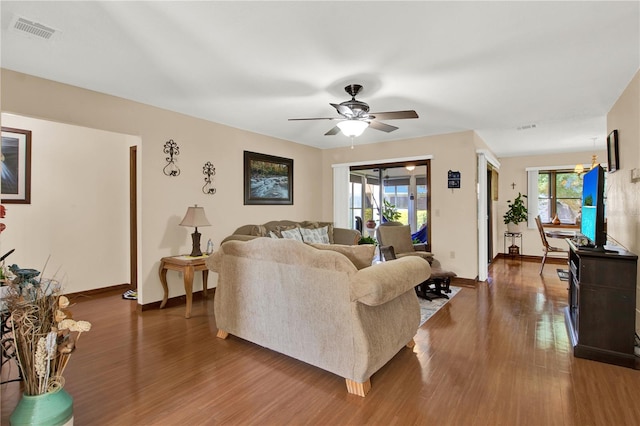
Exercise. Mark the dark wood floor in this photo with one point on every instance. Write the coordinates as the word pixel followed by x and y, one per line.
pixel 495 355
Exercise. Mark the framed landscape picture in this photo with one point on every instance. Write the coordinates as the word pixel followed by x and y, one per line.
pixel 267 179
pixel 16 166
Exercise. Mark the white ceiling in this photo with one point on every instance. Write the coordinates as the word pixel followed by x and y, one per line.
pixel 488 66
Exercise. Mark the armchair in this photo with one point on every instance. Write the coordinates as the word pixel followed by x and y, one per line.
pixel 395 242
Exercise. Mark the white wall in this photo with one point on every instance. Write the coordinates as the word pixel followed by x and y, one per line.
pixel 78 216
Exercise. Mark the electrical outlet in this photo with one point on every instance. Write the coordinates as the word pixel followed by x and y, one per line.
pixel 452 255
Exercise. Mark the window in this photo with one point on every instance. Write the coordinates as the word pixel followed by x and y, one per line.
pixel 355 199
pixel 559 194
pixel 396 191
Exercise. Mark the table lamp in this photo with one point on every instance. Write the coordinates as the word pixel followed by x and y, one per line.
pixel 195 217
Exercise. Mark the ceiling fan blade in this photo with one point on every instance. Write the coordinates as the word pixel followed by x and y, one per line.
pixel 343 110
pixel 394 115
pixel 382 126
pixel 333 131
pixel 316 118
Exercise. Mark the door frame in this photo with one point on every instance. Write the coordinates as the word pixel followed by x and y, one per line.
pixel 484 157
pixel 133 217
pixel 341 185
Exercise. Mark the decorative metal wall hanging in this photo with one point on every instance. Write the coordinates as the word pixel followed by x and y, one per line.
pixel 209 171
pixel 172 150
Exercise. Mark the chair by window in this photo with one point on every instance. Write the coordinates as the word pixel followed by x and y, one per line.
pixel 395 241
pixel 545 244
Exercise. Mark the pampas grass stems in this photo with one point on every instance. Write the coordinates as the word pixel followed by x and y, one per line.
pixel 33 307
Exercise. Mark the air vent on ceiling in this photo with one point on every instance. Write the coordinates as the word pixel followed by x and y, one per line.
pixel 526 127
pixel 26 27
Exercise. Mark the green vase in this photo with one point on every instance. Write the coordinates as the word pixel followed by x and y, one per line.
pixel 53 408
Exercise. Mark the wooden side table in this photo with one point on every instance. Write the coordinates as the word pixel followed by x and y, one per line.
pixel 187 265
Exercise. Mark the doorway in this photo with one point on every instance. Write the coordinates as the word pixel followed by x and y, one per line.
pixel 397 191
pixel 490 198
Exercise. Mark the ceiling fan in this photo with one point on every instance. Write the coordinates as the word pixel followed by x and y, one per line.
pixel 355 116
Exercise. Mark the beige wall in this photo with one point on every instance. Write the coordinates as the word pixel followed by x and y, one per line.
pixel 164 200
pixel 78 216
pixel 454 230
pixel 623 197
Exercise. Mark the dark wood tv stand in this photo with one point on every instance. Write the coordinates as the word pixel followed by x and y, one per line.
pixel 602 305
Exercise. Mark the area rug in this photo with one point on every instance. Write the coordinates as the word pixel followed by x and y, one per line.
pixel 429 308
pixel 563 274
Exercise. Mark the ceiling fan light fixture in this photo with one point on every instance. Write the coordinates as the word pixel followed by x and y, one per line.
pixel 352 128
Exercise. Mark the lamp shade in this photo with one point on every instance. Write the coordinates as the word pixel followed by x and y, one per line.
pixel 195 217
pixel 352 128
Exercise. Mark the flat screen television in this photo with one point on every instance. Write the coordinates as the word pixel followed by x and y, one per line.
pixel 592 224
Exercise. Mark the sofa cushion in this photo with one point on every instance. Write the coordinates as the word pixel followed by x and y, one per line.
pixel 315 235
pixel 277 229
pixel 291 234
pixel 313 225
pixel 360 255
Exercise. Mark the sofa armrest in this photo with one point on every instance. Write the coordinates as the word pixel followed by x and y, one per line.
pixel 239 237
pixel 385 281
pixel 349 237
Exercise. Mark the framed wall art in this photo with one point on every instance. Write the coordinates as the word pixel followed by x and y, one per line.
pixel 16 166
pixel 267 179
pixel 612 151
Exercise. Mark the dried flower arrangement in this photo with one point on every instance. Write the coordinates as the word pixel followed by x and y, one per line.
pixel 43 330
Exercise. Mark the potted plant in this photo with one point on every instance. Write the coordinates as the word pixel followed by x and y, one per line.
pixel 368 240
pixel 390 212
pixel 516 213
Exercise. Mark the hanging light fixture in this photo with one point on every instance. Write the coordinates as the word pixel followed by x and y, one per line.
pixel 579 169
pixel 352 128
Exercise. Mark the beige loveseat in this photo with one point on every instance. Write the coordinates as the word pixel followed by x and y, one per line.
pixel 336 235
pixel 316 306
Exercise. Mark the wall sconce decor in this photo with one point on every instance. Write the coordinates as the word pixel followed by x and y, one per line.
pixel 209 171
pixel 172 150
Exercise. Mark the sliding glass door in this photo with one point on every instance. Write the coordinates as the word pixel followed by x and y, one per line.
pixel 376 190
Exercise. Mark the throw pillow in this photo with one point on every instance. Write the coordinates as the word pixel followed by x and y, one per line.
pixel 292 234
pixel 317 235
pixel 361 255
pixel 278 229
pixel 313 225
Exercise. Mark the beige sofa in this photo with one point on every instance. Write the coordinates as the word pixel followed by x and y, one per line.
pixel 336 235
pixel 316 306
